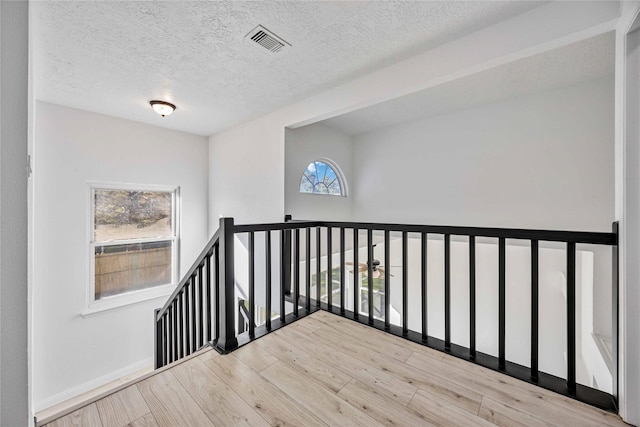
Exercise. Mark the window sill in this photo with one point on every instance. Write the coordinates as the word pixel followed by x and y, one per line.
pixel 119 301
pixel 304 193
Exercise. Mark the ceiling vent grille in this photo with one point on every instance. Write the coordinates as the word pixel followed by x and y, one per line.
pixel 266 39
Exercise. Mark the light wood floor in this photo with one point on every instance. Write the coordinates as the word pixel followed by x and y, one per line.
pixel 326 370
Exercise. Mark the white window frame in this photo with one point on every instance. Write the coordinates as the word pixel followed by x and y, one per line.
pixel 132 297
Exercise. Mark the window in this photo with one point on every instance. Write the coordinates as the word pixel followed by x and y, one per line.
pixel 321 177
pixel 133 244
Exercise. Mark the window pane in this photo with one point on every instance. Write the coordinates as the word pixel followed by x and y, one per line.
pixel 306 185
pixel 131 267
pixel 335 188
pixel 320 178
pixel 124 214
pixel 330 175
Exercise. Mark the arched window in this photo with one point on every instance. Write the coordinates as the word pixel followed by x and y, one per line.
pixel 321 177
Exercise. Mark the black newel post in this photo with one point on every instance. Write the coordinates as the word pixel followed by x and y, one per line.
pixel 227 340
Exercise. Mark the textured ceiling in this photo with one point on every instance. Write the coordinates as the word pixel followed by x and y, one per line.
pixel 113 57
pixel 572 64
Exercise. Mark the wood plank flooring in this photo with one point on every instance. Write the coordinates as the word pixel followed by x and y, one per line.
pixel 328 371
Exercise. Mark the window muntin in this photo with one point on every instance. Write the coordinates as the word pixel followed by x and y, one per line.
pixel 134 240
pixel 321 178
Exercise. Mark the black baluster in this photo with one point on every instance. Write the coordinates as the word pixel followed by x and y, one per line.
pixel 252 285
pixel 502 287
pixel 447 292
pixel 283 274
pixel 405 285
pixel 192 293
pixel 207 266
pixel 170 335
pixel 387 281
pixel 423 262
pixel 370 274
pixel 308 270
pixel 157 344
pixel 318 260
pixel 329 271
pixel 356 276
pixel 342 271
pixel 267 239
pixel 200 308
pixel 296 271
pixel 175 329
pixel 186 341
pixel 181 310
pixel 472 296
pixel 534 309
pixel 216 278
pixel 571 317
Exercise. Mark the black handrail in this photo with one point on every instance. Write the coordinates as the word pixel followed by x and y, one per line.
pixel 587 237
pixel 211 280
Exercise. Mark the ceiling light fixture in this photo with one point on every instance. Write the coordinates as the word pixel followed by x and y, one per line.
pixel 163 108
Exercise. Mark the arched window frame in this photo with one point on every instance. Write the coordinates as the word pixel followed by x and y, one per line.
pixel 339 176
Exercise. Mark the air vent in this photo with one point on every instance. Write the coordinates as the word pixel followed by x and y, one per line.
pixel 266 39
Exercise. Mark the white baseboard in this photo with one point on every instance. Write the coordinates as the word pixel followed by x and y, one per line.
pixel 92 385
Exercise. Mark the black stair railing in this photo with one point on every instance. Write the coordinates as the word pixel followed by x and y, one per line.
pixel 186 322
pixel 203 308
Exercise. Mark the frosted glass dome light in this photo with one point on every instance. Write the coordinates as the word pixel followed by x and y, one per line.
pixel 163 108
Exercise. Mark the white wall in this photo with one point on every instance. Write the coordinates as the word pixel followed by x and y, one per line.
pixel 539 161
pixel 629 136
pixel 302 146
pixel 246 174
pixel 253 152
pixel 72 353
pixel 14 410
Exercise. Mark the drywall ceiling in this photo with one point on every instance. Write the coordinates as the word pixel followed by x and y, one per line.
pixel 582 61
pixel 114 57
